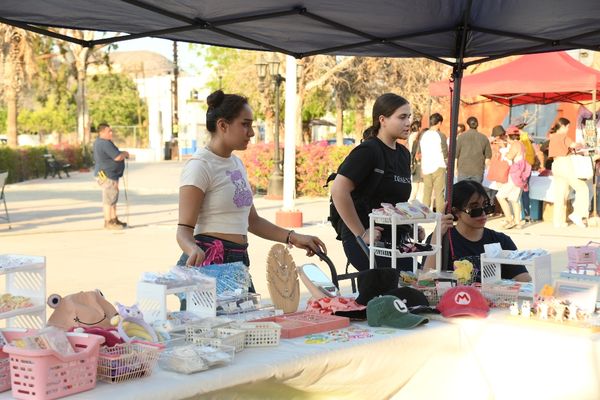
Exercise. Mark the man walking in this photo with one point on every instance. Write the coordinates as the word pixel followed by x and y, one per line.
pixel 109 166
pixel 434 154
pixel 473 152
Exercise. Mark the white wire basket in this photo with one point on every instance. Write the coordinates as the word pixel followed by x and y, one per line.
pixel 127 361
pixel 260 334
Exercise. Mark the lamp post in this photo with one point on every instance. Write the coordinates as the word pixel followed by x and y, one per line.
pixel 275 189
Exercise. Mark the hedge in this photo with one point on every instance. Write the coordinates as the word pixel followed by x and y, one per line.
pixel 27 162
pixel 314 163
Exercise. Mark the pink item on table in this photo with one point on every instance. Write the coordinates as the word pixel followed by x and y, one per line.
pixel 331 305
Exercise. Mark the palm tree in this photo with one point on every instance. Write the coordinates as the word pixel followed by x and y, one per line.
pixel 18 64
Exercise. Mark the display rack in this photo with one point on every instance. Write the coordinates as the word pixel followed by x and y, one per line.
pixel 540 269
pixel 24 276
pixel 393 252
pixel 201 299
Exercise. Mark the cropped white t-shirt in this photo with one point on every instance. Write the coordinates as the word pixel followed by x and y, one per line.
pixel 227 194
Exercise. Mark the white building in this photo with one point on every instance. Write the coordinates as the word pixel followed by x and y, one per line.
pixel 153 75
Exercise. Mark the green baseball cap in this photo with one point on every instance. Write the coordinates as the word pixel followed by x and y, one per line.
pixel 393 312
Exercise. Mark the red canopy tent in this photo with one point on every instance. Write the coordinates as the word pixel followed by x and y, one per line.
pixel 531 79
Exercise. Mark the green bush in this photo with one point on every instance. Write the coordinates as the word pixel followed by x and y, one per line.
pixel 27 162
pixel 314 163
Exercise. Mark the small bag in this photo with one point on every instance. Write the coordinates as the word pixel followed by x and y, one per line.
pixel 582 166
pixel 498 170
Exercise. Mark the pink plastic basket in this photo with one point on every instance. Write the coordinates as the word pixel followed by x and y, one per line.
pixel 44 374
pixel 10 334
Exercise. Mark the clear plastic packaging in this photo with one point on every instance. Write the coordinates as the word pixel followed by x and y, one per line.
pixel 187 358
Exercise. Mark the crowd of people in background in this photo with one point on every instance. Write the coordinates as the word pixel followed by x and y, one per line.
pixel 503 162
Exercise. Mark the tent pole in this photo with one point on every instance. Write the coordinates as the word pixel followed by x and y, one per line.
pixel 457 74
pixel 510 105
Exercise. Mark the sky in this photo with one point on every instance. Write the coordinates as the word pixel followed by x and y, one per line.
pixel 188 58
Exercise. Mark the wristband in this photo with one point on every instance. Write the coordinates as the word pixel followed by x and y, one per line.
pixel 289 237
pixel 187 226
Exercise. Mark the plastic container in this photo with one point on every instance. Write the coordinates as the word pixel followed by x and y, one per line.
pixel 260 334
pixel 218 336
pixel 44 374
pixel 127 361
pixel 306 323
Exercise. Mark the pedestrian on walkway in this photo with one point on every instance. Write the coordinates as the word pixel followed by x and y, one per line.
pixel 564 177
pixel 473 152
pixel 216 209
pixel 109 166
pixel 434 156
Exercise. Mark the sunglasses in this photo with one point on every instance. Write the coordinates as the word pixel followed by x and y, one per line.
pixel 479 211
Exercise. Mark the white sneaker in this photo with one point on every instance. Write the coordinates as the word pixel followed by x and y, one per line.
pixel 576 219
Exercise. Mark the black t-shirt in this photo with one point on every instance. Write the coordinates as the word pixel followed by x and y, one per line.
pixel 105 153
pixel 395 185
pixel 465 249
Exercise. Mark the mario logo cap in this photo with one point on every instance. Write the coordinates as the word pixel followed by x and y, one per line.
pixel 393 312
pixel 463 300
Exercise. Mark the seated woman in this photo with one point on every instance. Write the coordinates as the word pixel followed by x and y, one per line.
pixel 466 240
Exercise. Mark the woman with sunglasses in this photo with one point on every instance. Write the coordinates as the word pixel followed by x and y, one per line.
pixel 470 206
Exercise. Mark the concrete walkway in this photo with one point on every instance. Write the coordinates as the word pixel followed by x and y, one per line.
pixel 62 220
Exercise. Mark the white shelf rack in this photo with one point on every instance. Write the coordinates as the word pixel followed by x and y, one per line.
pixel 24 276
pixel 201 299
pixel 393 252
pixel 540 269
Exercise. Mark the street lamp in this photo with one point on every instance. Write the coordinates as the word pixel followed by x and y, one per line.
pixel 275 189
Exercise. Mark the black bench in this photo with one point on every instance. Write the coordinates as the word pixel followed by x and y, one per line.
pixel 54 167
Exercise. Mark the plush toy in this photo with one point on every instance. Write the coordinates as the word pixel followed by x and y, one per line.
pixel 547 291
pixel 130 324
pixel 463 270
pixel 111 337
pixel 83 309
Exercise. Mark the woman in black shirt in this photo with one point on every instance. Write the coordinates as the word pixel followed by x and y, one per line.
pixel 350 190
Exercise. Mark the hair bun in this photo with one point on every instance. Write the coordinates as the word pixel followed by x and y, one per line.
pixel 215 99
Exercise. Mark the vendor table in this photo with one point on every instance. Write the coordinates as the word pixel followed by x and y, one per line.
pixel 374 367
pixel 500 357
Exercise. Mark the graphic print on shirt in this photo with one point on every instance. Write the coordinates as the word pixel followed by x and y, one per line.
pixel 243 195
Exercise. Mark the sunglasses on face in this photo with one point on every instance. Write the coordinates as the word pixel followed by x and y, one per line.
pixel 479 211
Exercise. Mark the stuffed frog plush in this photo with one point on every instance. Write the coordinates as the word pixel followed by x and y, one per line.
pixel 83 309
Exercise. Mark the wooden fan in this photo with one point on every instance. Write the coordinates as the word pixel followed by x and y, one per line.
pixel 282 279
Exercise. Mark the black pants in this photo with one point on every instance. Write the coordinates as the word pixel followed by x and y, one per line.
pixel 232 252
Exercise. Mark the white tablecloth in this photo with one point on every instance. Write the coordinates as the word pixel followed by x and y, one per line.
pixel 466 359
pixel 373 368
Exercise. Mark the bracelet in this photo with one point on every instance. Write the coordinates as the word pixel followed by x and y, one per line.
pixel 289 237
pixel 187 226
pixel 363 235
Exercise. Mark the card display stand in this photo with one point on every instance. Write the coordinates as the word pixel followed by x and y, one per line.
pixel 540 269
pixel 24 276
pixel 152 299
pixel 393 252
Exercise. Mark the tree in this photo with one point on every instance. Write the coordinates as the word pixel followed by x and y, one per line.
pixel 18 62
pixel 79 57
pixel 113 98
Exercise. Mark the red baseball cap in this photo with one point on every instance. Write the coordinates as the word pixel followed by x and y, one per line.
pixel 512 130
pixel 463 300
